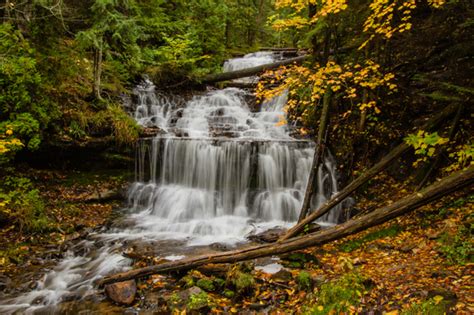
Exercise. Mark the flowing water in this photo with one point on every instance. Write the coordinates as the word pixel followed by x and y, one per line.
pixel 217 172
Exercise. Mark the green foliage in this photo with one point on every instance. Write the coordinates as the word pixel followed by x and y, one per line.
pixel 434 306
pixel 337 296
pixel 21 204
pixel 24 109
pixel 357 243
pixel 424 144
pixel 458 248
pixel 304 280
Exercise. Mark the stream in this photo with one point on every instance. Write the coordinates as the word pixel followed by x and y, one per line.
pixel 216 172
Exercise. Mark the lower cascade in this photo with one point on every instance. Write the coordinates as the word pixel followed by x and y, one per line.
pixel 216 172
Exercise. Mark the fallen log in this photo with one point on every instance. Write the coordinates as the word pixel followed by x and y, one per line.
pixel 278 49
pixel 231 75
pixel 447 185
pixel 374 170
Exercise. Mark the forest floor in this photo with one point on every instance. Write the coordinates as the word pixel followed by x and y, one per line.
pixel 75 202
pixel 420 263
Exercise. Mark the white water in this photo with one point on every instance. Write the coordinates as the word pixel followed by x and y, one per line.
pixel 218 173
pixel 249 61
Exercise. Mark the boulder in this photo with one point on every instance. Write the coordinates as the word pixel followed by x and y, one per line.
pixel 268 236
pixel 282 275
pixel 122 292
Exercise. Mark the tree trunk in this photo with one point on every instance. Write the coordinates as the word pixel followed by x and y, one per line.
pixel 384 162
pixel 434 165
pixel 318 156
pixel 231 75
pixel 435 191
pixel 97 71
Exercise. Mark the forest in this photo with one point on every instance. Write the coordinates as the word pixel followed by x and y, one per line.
pixel 236 156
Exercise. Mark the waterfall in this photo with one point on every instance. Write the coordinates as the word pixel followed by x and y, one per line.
pixel 222 170
pixel 217 172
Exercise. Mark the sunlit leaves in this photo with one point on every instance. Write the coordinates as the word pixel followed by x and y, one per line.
pixel 307 86
pixel 389 17
pixel 424 144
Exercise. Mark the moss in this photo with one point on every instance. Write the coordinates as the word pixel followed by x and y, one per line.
pixel 434 306
pixel 243 281
pixel 229 293
pixel 206 284
pixel 198 301
pixel 219 283
pixel 337 296
pixel 304 281
pixel 356 243
pixel 174 301
pixel 188 281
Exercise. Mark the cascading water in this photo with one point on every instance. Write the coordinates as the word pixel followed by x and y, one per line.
pixel 217 173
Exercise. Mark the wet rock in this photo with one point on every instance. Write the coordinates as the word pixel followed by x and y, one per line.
pixel 298 259
pixel 268 236
pixel 186 294
pixel 219 247
pixel 407 248
pixel 122 292
pixel 282 275
pixel 5 282
pixel 154 300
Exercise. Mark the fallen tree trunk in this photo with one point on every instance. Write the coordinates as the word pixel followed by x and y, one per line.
pixel 374 170
pixel 231 75
pixel 317 157
pixel 435 191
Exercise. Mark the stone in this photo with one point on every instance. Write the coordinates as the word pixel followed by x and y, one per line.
pixel 268 236
pixel 282 275
pixel 186 294
pixel 407 248
pixel 122 292
pixel 4 282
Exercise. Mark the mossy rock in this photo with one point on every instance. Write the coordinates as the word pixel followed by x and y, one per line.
pixel 300 257
pixel 241 281
pixel 187 281
pixel 219 283
pixel 198 302
pixel 304 280
pixel 206 284
pixel 229 293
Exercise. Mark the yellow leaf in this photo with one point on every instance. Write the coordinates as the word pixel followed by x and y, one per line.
pixel 394 312
pixel 438 299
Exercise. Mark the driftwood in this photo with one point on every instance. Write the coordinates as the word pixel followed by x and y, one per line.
pixel 374 170
pixel 317 157
pixel 231 75
pixel 435 191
